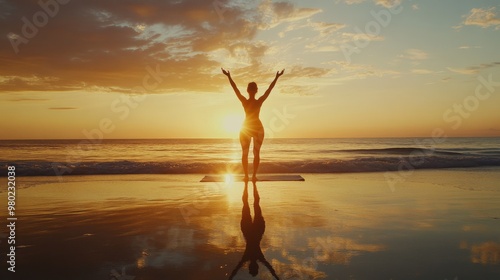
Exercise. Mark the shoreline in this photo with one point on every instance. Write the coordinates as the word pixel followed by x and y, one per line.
pixel 402 170
pixel 438 224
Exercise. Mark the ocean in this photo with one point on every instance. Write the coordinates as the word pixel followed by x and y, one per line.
pixel 193 156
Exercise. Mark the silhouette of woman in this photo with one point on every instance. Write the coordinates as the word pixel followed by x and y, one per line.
pixel 252 126
pixel 253 232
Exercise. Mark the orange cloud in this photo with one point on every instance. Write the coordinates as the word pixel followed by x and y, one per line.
pixel 106 44
pixel 483 18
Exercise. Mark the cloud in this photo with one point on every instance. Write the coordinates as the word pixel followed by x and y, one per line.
pixel 341 249
pixel 473 70
pixel 110 45
pixel 414 54
pixel 422 71
pixel 62 108
pixel 325 36
pixel 385 3
pixel 311 72
pixel 326 32
pixel 350 37
pixel 352 71
pixel 325 28
pixel 388 3
pixel 30 82
pixel 276 13
pixel 334 41
pixel 486 253
pixel 300 79
pixel 332 36
pixel 330 250
pixel 28 99
pixel 463 71
pixel 483 18
pixel 469 47
pixel 350 2
pixel 99 43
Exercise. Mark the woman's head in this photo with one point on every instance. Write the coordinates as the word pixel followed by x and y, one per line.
pixel 253 268
pixel 252 89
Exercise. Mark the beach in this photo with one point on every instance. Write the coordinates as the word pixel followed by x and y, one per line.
pixel 433 224
pixel 369 130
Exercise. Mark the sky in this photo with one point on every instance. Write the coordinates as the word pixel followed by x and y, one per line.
pixel 103 69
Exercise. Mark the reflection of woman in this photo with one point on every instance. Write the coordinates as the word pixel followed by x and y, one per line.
pixel 252 231
pixel 252 127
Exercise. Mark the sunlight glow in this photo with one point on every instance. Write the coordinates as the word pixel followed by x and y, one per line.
pixel 228 178
pixel 232 123
pixel 327 90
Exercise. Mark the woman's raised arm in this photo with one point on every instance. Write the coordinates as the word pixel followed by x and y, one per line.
pixel 271 86
pixel 235 88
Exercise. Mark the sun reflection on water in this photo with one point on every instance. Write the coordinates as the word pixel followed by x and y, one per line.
pixel 228 178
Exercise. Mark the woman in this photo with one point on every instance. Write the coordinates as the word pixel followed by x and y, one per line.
pixel 252 127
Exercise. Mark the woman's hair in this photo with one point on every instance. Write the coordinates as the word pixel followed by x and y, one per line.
pixel 252 87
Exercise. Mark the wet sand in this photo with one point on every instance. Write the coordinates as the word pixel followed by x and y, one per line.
pixel 433 224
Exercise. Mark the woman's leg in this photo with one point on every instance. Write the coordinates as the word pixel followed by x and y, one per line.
pixel 246 217
pixel 245 146
pixel 257 143
pixel 258 220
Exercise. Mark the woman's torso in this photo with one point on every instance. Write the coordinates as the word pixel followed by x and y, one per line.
pixel 252 111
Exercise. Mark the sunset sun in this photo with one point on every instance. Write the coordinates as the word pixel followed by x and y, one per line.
pixel 232 123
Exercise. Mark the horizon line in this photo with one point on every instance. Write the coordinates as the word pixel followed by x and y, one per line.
pixel 233 138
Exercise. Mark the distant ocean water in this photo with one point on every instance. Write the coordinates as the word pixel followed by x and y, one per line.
pixel 184 156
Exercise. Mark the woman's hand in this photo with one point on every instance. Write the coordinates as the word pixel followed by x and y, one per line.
pixel 278 74
pixel 226 72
